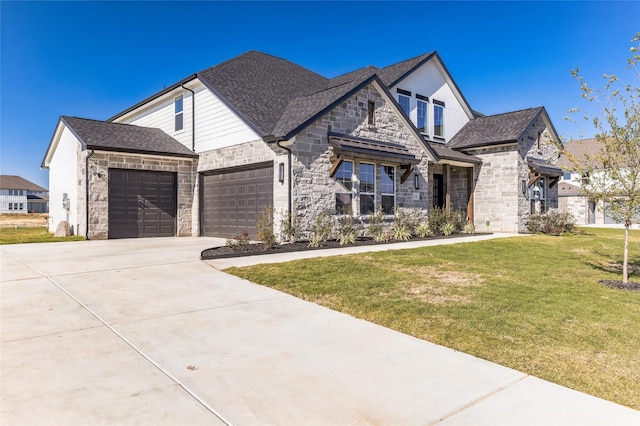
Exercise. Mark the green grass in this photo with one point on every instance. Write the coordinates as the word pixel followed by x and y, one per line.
pixel 531 303
pixel 32 234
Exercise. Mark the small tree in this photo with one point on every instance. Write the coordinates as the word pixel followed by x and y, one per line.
pixel 612 176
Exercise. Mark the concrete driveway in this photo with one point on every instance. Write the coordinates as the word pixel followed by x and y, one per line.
pixel 142 332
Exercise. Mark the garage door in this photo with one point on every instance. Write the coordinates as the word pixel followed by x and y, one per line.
pixel 233 199
pixel 141 204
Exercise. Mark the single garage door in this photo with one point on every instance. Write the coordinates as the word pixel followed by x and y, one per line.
pixel 233 199
pixel 142 203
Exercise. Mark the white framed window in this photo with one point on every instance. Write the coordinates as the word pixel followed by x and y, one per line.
pixel 21 206
pixel 178 108
pixel 344 188
pixel 438 119
pixel 367 188
pixel 405 103
pixel 10 206
pixel 388 189
pixel 421 109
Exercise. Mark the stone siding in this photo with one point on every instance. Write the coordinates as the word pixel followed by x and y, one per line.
pixel 500 198
pixel 314 190
pixel 100 163
pixel 496 189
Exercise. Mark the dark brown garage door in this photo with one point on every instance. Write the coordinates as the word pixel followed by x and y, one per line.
pixel 141 204
pixel 232 200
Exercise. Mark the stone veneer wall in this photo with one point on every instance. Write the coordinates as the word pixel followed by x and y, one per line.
pixel 100 163
pixel 240 155
pixel 499 198
pixel 549 151
pixel 314 190
pixel 496 190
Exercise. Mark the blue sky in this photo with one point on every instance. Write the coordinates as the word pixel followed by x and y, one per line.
pixel 95 59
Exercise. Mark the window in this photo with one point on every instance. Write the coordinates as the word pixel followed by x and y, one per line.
pixel 438 119
pixel 21 206
pixel 538 195
pixel 567 176
pixel 405 104
pixel 344 187
pixel 178 110
pixel 388 188
pixel 421 107
pixel 10 206
pixel 371 113
pixel 367 188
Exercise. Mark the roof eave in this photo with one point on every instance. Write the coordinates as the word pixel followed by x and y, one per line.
pixel 154 96
pixel 141 151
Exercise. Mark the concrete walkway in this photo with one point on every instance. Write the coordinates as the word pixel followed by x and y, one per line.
pixel 142 332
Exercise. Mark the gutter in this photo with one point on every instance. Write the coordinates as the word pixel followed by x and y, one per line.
pixel 86 188
pixel 193 117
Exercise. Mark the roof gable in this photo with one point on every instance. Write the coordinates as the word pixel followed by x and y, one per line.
pixel 495 129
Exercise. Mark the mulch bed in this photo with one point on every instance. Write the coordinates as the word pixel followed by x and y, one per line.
pixel 620 285
pixel 257 249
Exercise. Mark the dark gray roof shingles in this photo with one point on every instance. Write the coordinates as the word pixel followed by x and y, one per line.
pixel 493 129
pixel 125 137
pixel 261 86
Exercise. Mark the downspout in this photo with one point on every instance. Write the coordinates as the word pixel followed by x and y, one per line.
pixel 86 194
pixel 290 183
pixel 193 117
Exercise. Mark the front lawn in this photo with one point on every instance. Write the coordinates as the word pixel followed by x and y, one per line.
pixel 530 303
pixel 30 234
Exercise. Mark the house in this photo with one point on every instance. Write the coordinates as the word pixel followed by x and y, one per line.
pixel 18 195
pixel 208 154
pixel 571 199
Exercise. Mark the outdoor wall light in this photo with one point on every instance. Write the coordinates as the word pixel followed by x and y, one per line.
pixel 416 181
pixel 281 172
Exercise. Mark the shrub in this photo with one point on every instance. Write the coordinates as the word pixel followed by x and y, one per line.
pixel 439 218
pixel 376 226
pixel 240 242
pixel 448 228
pixel 321 229
pixel 403 225
pixel 551 222
pixel 469 228
pixel 264 224
pixel 290 227
pixel 348 230
pixel 424 230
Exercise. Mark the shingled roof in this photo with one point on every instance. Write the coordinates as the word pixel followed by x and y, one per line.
pixel 494 129
pixel 18 182
pixel 583 151
pixel 107 136
pixel 259 87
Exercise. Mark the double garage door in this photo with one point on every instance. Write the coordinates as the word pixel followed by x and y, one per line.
pixel 142 204
pixel 232 200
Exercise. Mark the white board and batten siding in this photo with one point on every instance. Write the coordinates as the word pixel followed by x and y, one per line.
pixel 216 125
pixel 430 80
pixel 63 179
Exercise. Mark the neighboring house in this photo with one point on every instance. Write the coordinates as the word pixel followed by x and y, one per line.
pixel 18 195
pixel 207 155
pixel 570 196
